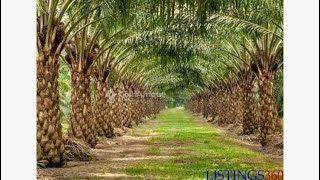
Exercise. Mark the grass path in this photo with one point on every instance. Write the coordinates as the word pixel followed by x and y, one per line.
pixel 174 146
pixel 194 148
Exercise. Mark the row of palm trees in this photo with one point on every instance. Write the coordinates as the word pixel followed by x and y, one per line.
pixel 123 104
pixel 246 54
pixel 213 51
pixel 75 32
pixel 251 60
pixel 246 96
pixel 240 103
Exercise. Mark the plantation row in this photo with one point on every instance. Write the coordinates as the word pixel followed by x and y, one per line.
pixel 121 53
pixel 112 109
pixel 241 103
pixel 92 59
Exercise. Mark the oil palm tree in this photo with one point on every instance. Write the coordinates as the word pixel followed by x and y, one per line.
pixel 53 30
pixel 91 41
pixel 261 40
pixel 80 56
pixel 110 95
pixel 267 52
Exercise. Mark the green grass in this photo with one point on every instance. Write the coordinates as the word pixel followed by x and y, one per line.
pixel 154 150
pixel 195 148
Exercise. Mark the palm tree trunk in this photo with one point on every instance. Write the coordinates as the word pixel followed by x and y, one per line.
pixel 117 109
pixel 82 122
pixel 240 105
pixel 100 108
pixel 250 123
pixel 214 102
pixel 127 120
pixel 224 113
pixel 268 114
pixel 50 146
pixel 109 118
pixel 206 106
pixel 113 107
pixel 121 107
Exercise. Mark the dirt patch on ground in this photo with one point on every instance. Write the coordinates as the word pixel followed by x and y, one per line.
pixel 111 156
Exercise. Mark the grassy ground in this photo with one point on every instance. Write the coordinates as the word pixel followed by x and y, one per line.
pixel 192 148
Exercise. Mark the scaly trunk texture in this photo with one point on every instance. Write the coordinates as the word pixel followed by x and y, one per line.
pixel 138 107
pixel 218 107
pixel 240 105
pixel 49 132
pixel 122 106
pixel 232 107
pixel 224 113
pixel 117 109
pixel 127 108
pixel 206 106
pixel 110 113
pixel 214 102
pixel 82 122
pixel 113 118
pixel 211 106
pixel 250 121
pixel 101 109
pixel 135 107
pixel 268 114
